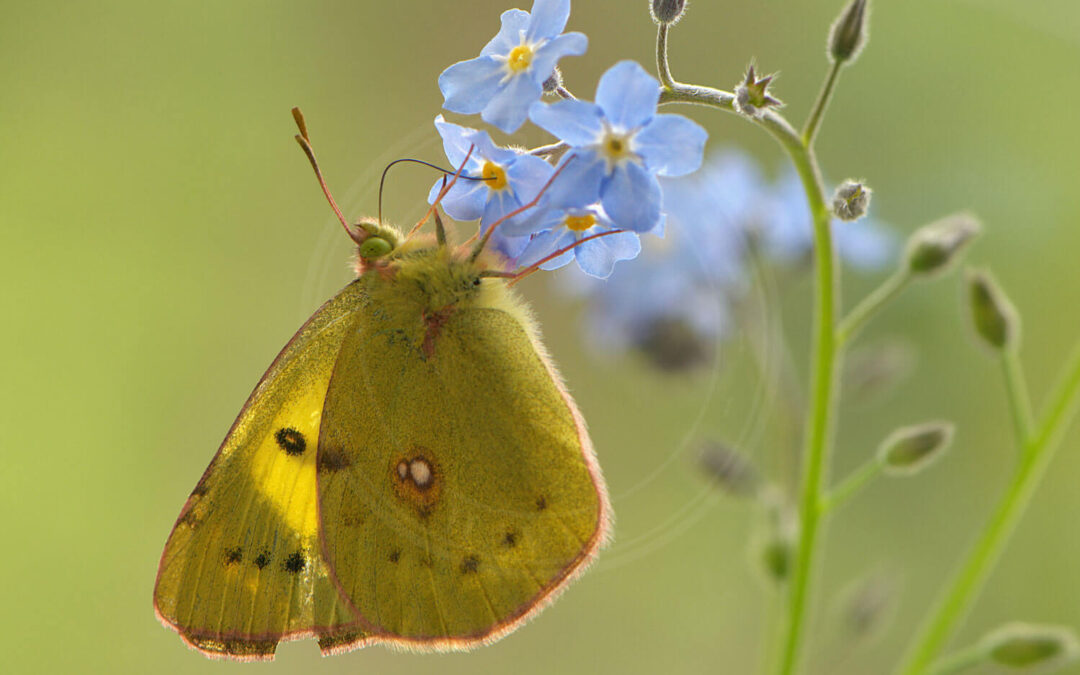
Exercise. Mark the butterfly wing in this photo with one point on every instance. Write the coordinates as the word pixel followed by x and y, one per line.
pixel 459 492
pixel 242 568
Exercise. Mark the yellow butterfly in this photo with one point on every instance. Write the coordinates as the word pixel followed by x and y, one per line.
pixel 409 471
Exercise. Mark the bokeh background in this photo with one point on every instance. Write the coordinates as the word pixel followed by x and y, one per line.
pixel 162 237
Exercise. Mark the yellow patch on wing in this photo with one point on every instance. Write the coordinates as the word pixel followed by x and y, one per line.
pixel 287 480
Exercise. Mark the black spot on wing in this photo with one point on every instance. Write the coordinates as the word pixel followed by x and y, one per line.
pixel 510 539
pixel 262 560
pixel 541 503
pixel 332 460
pixel 395 556
pixel 233 555
pixel 470 564
pixel 295 563
pixel 291 441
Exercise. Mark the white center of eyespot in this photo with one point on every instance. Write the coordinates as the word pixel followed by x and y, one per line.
pixel 420 471
pixel 402 470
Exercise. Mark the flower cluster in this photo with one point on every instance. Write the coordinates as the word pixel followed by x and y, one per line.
pixel 611 154
pixel 678 297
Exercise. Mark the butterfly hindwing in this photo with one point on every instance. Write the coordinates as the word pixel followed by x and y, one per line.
pixel 242 568
pixel 457 486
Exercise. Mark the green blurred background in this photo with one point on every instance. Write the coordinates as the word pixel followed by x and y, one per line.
pixel 162 237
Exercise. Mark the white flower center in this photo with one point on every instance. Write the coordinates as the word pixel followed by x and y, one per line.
pixel 616 147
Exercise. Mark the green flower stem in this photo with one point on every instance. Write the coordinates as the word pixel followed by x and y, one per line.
pixel 878 298
pixel 1038 450
pixel 824 363
pixel 816 115
pixel 960 661
pixel 850 486
pixel 1019 401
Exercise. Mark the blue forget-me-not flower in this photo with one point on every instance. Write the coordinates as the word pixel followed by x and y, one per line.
pixel 561 228
pixel 509 179
pixel 619 147
pixel 509 74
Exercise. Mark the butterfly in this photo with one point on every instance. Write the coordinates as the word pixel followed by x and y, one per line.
pixel 409 471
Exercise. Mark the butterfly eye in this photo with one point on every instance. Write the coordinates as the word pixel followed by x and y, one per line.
pixel 375 247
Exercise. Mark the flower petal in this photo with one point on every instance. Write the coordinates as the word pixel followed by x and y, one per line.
pixel 671 145
pixel 509 107
pixel 456 141
pixel 546 243
pixel 467 86
pixel 499 203
pixel 628 95
pixel 631 197
pixel 597 257
pixel 571 44
pixel 578 183
pixel 527 175
pixel 514 23
pixel 548 18
pixel 464 201
pixel 576 122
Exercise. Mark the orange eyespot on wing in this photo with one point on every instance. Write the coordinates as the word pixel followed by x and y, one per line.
pixel 243 568
pixel 463 494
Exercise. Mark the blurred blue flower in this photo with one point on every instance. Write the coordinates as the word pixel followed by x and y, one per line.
pixel 510 179
pixel 676 299
pixel 564 227
pixel 620 145
pixel 509 74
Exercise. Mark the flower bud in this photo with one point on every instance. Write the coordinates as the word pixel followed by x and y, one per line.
pixel 994 316
pixel 848 34
pixel 909 450
pixel 667 12
pixel 1021 645
pixel 752 97
pixel 933 248
pixel 776 558
pixel 873 370
pixel 731 470
pixel 552 84
pixel 851 200
pixel 674 346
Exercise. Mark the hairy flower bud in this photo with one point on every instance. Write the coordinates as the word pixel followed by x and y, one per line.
pixel 667 12
pixel 849 32
pixel 933 248
pixel 851 200
pixel 730 469
pixel 911 449
pixel 552 84
pixel 1020 645
pixel 995 319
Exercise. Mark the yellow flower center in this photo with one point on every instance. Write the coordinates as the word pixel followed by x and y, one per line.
pixel 520 58
pixel 494 175
pixel 580 223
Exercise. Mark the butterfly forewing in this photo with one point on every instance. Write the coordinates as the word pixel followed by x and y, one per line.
pixel 242 568
pixel 457 486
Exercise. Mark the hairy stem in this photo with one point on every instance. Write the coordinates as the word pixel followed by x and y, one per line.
pixel 1038 449
pixel 870 305
pixel 818 113
pixel 1019 400
pixel 850 486
pixel 824 359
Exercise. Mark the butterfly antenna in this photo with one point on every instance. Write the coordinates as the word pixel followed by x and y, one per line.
pixel 518 276
pixel 382 180
pixel 442 192
pixel 305 144
pixel 533 202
